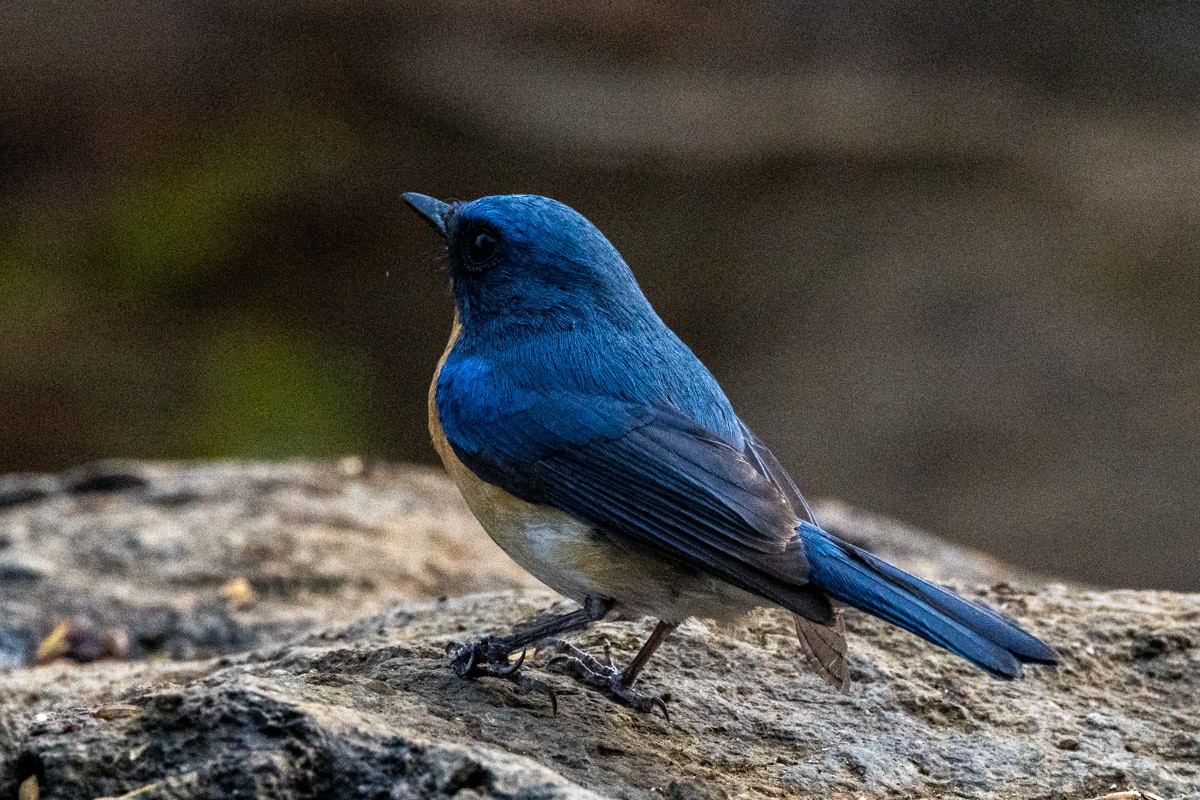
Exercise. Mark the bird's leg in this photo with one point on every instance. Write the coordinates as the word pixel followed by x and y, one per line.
pixel 489 656
pixel 617 682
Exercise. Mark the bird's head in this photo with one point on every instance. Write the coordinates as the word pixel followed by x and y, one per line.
pixel 526 260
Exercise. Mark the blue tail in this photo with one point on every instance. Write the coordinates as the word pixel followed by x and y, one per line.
pixel 978 634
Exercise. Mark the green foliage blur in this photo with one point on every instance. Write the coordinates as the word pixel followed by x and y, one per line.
pixel 97 306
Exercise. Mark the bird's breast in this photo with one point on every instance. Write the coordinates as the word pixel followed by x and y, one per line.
pixel 571 556
pixel 550 544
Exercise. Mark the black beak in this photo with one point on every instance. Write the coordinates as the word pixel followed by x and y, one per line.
pixel 434 211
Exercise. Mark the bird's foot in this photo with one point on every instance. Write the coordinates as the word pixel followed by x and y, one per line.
pixel 489 658
pixel 604 675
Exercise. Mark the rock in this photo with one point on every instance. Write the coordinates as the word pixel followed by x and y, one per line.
pixel 332 681
pixel 143 555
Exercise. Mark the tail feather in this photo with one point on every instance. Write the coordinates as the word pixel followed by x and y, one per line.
pixel 978 634
pixel 824 648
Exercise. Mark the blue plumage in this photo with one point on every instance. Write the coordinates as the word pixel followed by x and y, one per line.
pixel 564 391
pixel 980 635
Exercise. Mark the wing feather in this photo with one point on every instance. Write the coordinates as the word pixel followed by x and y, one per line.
pixel 649 474
pixel 824 649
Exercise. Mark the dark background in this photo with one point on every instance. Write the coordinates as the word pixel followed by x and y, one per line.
pixel 943 256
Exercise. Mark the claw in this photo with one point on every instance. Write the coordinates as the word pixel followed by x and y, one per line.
pixel 662 706
pixel 483 659
pixel 606 677
pixel 466 660
pixel 637 701
pixel 608 654
pixel 504 672
pixel 527 684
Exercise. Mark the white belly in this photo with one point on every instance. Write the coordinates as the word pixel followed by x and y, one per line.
pixel 566 555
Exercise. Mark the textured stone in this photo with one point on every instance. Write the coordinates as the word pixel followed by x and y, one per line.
pixel 333 681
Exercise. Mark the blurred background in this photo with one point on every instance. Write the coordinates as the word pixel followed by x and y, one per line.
pixel 943 257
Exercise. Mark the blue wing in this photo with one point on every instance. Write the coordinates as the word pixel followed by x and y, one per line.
pixel 643 472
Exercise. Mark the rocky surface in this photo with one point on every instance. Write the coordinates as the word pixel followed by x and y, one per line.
pixel 145 560
pixel 280 631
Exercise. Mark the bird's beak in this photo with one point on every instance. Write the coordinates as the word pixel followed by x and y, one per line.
pixel 434 211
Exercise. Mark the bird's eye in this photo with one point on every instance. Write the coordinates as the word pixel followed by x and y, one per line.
pixel 481 246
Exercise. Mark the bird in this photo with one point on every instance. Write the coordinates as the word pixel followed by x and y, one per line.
pixel 597 450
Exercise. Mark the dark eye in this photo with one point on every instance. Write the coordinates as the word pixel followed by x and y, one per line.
pixel 481 246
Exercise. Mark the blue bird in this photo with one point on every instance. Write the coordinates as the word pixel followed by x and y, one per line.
pixel 599 452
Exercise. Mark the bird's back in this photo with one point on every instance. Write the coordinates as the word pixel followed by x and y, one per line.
pixel 647 365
